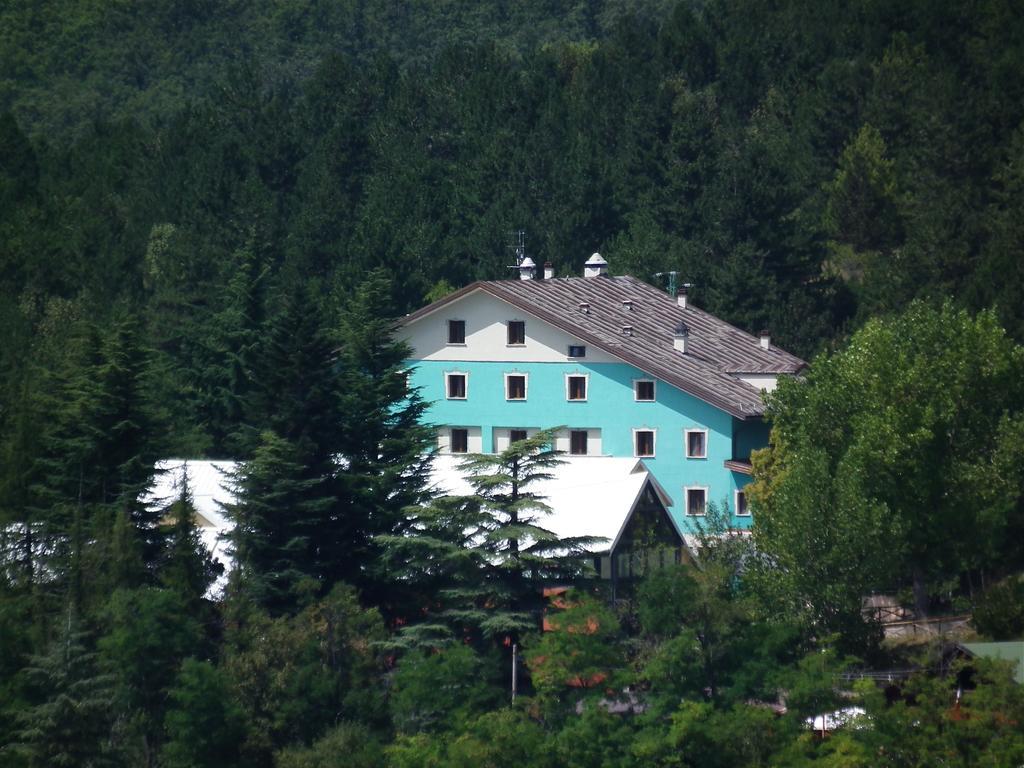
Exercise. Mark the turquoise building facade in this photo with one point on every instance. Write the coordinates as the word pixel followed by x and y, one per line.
pixel 495 360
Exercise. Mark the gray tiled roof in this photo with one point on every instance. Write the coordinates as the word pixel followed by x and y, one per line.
pixel 715 349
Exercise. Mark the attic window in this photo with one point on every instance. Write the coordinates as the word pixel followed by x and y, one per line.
pixel 577 350
pixel 456 331
pixel 516 333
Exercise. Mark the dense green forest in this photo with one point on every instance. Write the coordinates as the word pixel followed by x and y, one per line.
pixel 211 212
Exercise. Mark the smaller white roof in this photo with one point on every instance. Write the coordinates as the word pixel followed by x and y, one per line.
pixel 208 482
pixel 588 495
pixel 210 488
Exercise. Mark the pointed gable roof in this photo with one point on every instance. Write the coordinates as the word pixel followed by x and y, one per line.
pixel 635 322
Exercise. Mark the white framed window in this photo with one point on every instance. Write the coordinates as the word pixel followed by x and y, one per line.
pixel 643 390
pixel 516 333
pixel 458 440
pixel 742 510
pixel 456 385
pixel 577 350
pixel 695 442
pixel 456 331
pixel 643 443
pixel 696 500
pixel 578 442
pixel 515 386
pixel 576 386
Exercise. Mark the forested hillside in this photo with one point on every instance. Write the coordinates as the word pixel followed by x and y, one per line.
pixel 212 212
pixel 806 165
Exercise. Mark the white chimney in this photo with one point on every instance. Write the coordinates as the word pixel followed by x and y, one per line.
pixel 681 297
pixel 766 340
pixel 527 267
pixel 680 337
pixel 549 270
pixel 595 266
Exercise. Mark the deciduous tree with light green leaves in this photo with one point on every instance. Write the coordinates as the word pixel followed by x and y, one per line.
pixel 894 463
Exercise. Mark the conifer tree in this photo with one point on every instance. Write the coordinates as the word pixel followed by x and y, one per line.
pixel 489 554
pixel 341 454
pixel 70 725
pixel 386 449
pixel 228 352
pixel 99 453
pixel 205 726
pixel 148 632
pixel 290 526
pixel 279 506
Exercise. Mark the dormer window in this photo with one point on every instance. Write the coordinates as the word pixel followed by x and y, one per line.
pixel 516 333
pixel 585 307
pixel 627 304
pixel 456 331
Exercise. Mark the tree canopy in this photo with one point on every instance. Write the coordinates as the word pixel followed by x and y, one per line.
pixel 893 464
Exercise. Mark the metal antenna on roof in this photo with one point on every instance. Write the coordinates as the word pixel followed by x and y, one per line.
pixel 518 245
pixel 524 264
pixel 673 286
pixel 671 280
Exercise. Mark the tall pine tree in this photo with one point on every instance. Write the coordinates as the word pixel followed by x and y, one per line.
pixel 289 524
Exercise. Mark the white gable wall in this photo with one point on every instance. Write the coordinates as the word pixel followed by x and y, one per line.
pixel 487 335
pixel 763 381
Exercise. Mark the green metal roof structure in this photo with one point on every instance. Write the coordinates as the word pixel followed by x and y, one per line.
pixel 1009 651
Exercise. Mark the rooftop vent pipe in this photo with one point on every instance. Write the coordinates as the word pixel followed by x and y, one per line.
pixel 549 270
pixel 681 337
pixel 766 340
pixel 681 296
